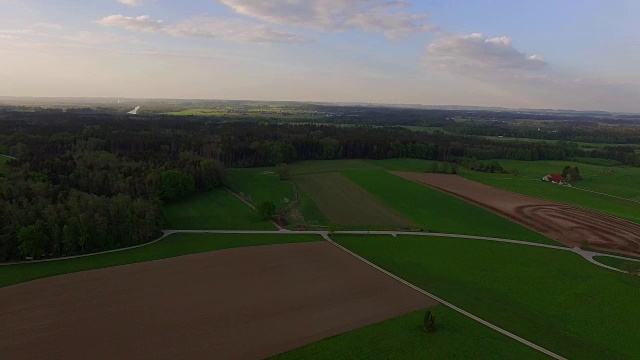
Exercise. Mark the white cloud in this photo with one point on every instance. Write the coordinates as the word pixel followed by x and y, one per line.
pixel 131 2
pixel 383 16
pixel 391 25
pixel 231 30
pixel 205 27
pixel 139 23
pixel 480 56
pixel 523 79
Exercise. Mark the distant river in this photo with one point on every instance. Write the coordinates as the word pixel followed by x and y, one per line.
pixel 134 111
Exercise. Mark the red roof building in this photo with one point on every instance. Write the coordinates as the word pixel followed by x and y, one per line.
pixel 556 178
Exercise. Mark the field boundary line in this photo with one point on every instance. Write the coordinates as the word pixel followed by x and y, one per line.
pixel 605 194
pixel 448 304
pixel 581 189
pixel 240 197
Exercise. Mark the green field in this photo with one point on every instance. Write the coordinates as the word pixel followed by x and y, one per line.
pixel 457 337
pixel 312 215
pixel 260 184
pixel 605 179
pixel 172 246
pixel 615 181
pixel 552 298
pixel 413 165
pixel 624 265
pixel 429 129
pixel 596 161
pixel 323 166
pixel 439 212
pixel 270 112
pixel 214 210
pixel 345 203
pixel 4 159
pixel 198 112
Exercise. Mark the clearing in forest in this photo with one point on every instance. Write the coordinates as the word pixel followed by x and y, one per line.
pixel 345 203
pixel 248 303
pixel 217 209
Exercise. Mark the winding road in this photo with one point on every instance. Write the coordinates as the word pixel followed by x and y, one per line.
pixel 587 255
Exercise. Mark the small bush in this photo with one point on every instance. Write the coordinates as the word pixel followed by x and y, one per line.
pixel 429 322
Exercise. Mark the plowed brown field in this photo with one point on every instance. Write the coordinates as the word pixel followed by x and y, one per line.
pixel 247 303
pixel 567 224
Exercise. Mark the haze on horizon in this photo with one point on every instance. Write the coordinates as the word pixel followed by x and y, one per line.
pixel 545 54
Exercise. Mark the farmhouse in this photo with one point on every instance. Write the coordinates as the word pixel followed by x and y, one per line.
pixel 555 178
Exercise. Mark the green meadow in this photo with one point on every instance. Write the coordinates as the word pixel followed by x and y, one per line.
pixel 324 166
pixel 612 180
pixel 198 112
pixel 553 298
pixel 608 190
pixel 215 210
pixel 456 337
pixel 263 184
pixel 346 204
pixel 436 211
pixel 629 266
pixel 260 184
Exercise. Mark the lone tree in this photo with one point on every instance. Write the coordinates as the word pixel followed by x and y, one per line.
pixel 266 209
pixel 429 322
pixel 571 174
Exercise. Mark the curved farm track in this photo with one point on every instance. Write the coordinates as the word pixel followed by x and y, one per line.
pixel 570 225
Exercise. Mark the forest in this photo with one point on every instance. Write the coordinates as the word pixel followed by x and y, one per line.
pixel 87 181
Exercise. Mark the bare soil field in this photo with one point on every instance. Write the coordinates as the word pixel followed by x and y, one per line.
pixel 345 203
pixel 245 303
pixel 567 224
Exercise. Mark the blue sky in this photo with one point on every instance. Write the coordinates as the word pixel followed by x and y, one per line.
pixel 536 54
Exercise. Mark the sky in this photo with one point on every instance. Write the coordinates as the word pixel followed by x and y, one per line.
pixel 559 54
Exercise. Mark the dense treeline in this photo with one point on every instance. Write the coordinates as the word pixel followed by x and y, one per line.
pixel 166 141
pixel 91 182
pixel 574 131
pixel 67 195
pixel 159 140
